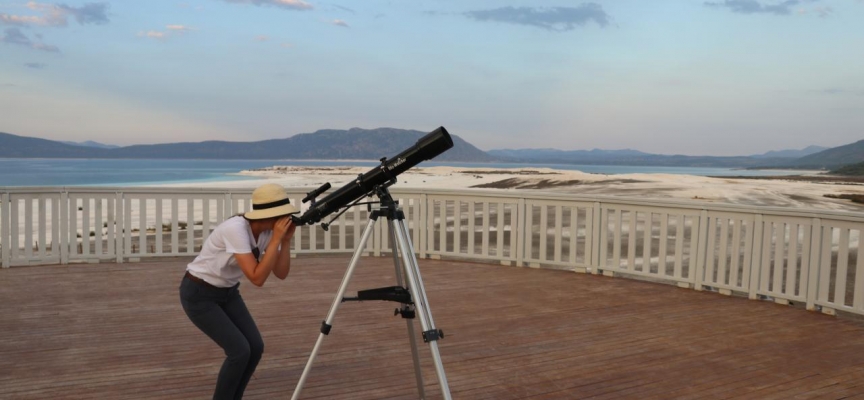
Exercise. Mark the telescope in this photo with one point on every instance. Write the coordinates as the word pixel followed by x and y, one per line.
pixel 384 175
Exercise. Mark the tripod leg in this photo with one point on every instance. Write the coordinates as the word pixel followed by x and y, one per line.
pixel 325 326
pixel 421 304
pixel 411 336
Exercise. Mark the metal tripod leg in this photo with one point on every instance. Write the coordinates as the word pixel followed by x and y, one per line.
pixel 325 327
pixel 421 304
pixel 412 337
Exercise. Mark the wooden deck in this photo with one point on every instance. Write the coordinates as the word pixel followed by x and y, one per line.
pixel 113 331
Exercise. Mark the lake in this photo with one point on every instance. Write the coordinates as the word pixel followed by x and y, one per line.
pixel 133 172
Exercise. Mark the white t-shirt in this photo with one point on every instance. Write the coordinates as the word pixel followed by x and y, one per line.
pixel 215 263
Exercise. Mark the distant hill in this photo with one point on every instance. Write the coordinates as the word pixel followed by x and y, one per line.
pixel 791 153
pixel 13 146
pixel 629 157
pixel 850 170
pixel 91 143
pixel 356 143
pixel 835 157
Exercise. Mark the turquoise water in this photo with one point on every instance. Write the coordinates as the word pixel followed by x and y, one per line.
pixel 86 172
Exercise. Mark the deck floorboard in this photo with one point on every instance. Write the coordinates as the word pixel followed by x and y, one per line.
pixel 117 331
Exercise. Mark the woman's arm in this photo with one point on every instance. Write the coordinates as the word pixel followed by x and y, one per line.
pixel 283 263
pixel 258 272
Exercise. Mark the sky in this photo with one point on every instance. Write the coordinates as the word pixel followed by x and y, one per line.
pixel 696 77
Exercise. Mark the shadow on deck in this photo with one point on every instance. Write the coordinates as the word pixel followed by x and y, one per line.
pixel 117 331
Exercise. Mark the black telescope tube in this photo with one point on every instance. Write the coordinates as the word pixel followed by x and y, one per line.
pixel 426 148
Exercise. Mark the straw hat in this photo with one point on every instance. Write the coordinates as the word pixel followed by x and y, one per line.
pixel 270 201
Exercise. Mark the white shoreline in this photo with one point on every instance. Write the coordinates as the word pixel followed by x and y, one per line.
pixel 757 192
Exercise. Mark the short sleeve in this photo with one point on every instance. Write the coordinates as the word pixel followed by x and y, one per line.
pixel 237 238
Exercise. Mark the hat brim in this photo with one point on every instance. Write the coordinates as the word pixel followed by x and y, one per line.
pixel 285 209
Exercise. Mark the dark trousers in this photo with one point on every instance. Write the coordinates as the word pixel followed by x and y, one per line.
pixel 223 316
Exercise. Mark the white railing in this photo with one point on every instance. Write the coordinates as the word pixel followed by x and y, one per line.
pixel 804 256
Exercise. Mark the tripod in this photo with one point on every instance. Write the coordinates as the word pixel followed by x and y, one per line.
pixel 413 299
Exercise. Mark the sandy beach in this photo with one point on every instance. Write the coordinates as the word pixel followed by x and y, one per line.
pixel 807 191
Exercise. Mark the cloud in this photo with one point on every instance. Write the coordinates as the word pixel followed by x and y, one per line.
pixel 554 19
pixel 170 30
pixel 756 7
pixel 262 38
pixel 346 9
pixel 34 65
pixel 57 15
pixel 179 28
pixel 298 5
pixel 842 92
pixel 287 45
pixel 153 34
pixel 339 22
pixel 16 37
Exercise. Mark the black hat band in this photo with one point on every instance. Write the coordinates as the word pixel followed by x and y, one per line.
pixel 271 205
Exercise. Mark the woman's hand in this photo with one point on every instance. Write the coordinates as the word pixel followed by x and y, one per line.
pixel 281 228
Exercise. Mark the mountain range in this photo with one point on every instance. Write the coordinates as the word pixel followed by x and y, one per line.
pixel 372 144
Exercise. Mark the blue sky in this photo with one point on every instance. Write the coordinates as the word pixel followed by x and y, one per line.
pixel 721 77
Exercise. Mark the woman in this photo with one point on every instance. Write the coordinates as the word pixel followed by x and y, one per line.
pixel 209 290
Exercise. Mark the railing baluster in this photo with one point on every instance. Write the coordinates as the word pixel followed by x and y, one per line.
pixel 631 241
pixel 28 227
pixel 647 235
pixel 158 230
pixel 616 243
pixel 679 245
pixel 664 241
pixel 858 294
pixel 499 232
pixel 792 261
pixel 735 256
pixel 842 268
pixel 558 230
pixel 779 246
pixel 42 224
pixel 574 233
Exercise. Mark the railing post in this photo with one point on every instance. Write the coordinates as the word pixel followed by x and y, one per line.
pixel 756 259
pixel 815 266
pixel 701 249
pixel 5 239
pixel 520 232
pixel 119 227
pixel 424 225
pixel 596 242
pixel 64 227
